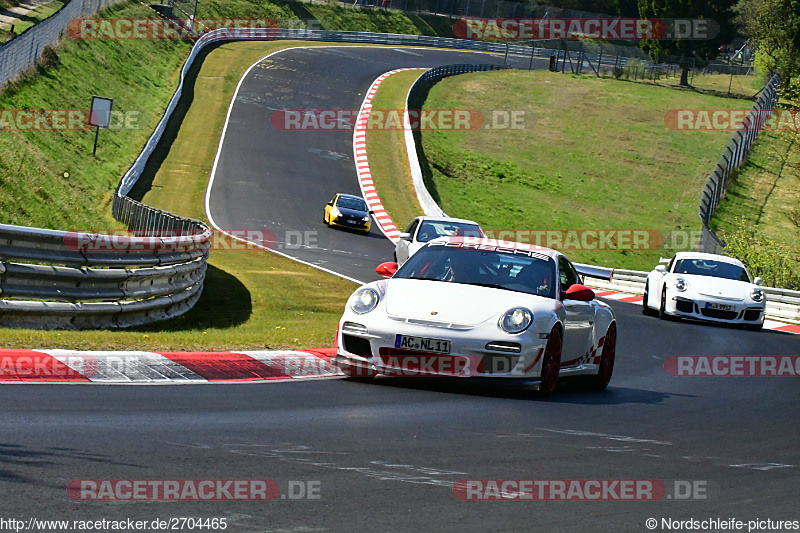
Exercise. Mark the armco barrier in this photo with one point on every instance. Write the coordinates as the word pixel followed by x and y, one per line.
pixel 68 280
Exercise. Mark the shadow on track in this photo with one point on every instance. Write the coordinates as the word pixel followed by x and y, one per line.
pixel 18 457
pixel 567 393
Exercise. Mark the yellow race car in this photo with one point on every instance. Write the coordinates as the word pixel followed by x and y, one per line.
pixel 348 211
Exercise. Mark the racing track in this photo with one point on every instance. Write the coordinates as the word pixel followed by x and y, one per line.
pixel 386 455
pixel 269 179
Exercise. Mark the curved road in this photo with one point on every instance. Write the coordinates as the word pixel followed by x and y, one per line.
pixel 385 456
pixel 279 181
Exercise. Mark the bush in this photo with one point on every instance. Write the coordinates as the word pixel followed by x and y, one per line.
pixel 49 58
pixel 634 68
pixel 762 256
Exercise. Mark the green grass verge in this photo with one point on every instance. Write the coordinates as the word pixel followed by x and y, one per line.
pixel 253 299
pixel 593 154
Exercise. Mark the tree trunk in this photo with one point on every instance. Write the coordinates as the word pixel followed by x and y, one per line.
pixel 684 76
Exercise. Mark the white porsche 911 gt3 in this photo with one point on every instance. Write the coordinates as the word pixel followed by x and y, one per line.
pixel 703 286
pixel 464 306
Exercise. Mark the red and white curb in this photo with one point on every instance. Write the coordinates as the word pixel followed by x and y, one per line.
pixel 637 299
pixel 127 367
pixel 362 164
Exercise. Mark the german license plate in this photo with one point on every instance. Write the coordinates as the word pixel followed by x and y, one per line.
pixel 719 307
pixel 422 344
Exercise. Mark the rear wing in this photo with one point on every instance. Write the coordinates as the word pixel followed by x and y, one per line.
pixel 590 271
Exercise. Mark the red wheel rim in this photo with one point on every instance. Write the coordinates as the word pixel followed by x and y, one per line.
pixel 552 363
pixel 609 353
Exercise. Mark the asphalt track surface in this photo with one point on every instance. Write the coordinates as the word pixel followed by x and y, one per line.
pixel 386 455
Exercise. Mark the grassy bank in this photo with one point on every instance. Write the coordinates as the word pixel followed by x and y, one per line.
pixel 760 213
pixel 253 299
pixel 590 154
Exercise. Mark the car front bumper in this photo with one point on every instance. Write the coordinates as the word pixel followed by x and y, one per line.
pixel 370 347
pixel 351 223
pixel 699 307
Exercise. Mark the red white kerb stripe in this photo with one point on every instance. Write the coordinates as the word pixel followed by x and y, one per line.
pixel 64 366
pixel 362 164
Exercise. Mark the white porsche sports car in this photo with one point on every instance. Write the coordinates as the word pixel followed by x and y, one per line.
pixel 703 286
pixel 464 306
pixel 425 229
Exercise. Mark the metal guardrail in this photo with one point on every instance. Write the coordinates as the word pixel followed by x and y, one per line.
pixel 734 156
pixel 68 280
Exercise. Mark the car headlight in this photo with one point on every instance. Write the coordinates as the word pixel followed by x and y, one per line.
pixel 366 218
pixel 335 212
pixel 364 300
pixel 757 294
pixel 516 320
pixel 680 284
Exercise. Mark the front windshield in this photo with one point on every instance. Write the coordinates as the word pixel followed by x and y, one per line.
pixel 514 270
pixel 356 204
pixel 716 269
pixel 431 229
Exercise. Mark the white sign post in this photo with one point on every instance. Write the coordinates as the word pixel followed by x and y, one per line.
pixel 100 116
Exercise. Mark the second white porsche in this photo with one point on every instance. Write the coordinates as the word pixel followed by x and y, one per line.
pixel 710 287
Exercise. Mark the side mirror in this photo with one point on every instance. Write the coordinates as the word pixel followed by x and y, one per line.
pixel 387 269
pixel 758 281
pixel 371 212
pixel 406 236
pixel 579 292
pixel 662 269
pixel 330 204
